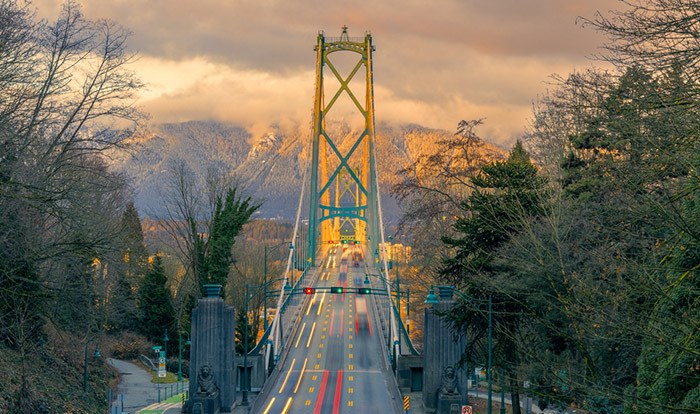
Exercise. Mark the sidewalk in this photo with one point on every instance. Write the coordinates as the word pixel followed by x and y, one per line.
pixel 135 385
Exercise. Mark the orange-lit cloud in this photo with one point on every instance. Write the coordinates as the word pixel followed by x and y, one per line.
pixel 437 62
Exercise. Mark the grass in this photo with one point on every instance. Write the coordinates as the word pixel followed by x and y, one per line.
pixel 173 399
pixel 169 378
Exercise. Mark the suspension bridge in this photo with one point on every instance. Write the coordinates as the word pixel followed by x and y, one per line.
pixel 337 342
pixel 337 336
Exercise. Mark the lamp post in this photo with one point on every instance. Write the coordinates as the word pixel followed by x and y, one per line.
pixel 165 343
pixel 433 299
pixel 244 400
pixel 245 383
pixel 408 310
pixel 85 366
pixel 273 248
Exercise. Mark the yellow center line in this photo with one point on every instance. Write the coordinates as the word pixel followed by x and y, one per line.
pixel 272 401
pixel 286 406
pixel 311 334
pixel 296 344
pixel 288 373
pixel 303 368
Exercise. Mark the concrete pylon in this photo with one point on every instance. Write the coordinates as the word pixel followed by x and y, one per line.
pixel 212 356
pixel 442 348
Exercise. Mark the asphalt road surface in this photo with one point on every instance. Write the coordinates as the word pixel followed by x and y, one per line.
pixel 336 360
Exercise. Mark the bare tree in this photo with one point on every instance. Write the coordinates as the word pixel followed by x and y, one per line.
pixel 655 34
pixel 432 187
pixel 66 99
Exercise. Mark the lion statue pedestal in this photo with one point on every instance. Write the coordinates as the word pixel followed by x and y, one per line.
pixel 449 400
pixel 212 359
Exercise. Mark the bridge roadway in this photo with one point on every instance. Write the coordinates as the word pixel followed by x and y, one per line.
pixel 336 361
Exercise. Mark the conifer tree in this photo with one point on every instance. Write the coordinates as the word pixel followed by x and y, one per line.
pixel 507 196
pixel 155 303
pixel 229 217
pixel 135 255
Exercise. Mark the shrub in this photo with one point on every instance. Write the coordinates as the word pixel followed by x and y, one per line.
pixel 130 345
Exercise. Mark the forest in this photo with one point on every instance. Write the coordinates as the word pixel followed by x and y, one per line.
pixel 585 235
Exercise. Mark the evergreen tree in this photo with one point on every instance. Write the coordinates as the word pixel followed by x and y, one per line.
pixel 135 255
pixel 669 361
pixel 229 217
pixel 241 325
pixel 626 180
pixel 127 274
pixel 155 303
pixel 508 195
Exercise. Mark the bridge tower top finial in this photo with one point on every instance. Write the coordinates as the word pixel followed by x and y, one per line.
pixel 344 35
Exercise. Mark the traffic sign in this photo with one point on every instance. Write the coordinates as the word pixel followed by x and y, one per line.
pixel 161 365
pixel 466 409
pixel 406 403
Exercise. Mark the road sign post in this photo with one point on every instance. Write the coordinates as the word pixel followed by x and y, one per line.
pixel 161 365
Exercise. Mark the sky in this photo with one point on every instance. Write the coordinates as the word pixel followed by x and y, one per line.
pixel 436 62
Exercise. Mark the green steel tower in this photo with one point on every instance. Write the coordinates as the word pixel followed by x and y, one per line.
pixel 343 198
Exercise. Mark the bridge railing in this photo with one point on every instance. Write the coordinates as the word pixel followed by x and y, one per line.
pixel 274 338
pixel 386 307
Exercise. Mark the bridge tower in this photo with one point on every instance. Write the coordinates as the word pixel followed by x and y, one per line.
pixel 343 197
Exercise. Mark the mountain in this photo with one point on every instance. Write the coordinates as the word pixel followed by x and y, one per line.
pixel 270 168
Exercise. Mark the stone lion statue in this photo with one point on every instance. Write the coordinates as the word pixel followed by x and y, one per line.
pixel 449 381
pixel 205 381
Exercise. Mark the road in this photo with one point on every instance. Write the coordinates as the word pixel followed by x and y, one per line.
pixel 336 360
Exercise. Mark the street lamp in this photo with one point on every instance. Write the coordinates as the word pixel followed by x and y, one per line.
pixel 244 400
pixel 275 247
pixel 165 342
pixel 245 383
pixel 96 354
pixel 432 299
pixel 388 300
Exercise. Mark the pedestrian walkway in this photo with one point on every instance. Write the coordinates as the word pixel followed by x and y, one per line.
pixel 135 386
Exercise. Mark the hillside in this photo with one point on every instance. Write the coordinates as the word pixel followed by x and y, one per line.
pixel 270 167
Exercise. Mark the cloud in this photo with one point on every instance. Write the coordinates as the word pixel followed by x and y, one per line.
pixel 199 89
pixel 437 62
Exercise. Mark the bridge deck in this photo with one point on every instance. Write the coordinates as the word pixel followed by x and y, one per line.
pixel 336 361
